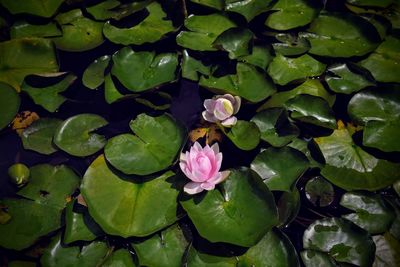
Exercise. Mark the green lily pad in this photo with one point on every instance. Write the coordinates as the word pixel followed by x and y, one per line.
pixel 79 33
pixel 163 250
pixel 311 109
pixel 248 82
pixel 121 257
pixel 236 41
pixel 49 97
pixel 216 4
pixel 203 31
pixel 341 79
pixel 140 71
pixel 39 135
pixel 192 68
pixel 379 112
pixel 241 213
pixel 312 258
pixel 260 57
pixel 341 35
pixel 387 251
pixel 9 104
pixel 275 127
pixel 319 192
pixel 248 8
pixel 93 76
pixel 40 213
pixel 369 3
pixel 280 168
pixel 245 135
pixel 150 30
pixel 274 249
pixel 154 146
pixel 198 259
pixel 305 147
pixel 113 9
pixel 42 8
pixel 21 264
pixel 309 87
pixel 371 212
pixel 127 208
pixel 26 56
pixel 288 206
pixel 75 227
pixel 29 221
pixel 342 239
pixel 59 255
pixel 350 167
pixel 111 93
pixel 284 70
pixel 22 29
pixel 291 14
pixel 383 63
pixel 290 45
pixel 75 135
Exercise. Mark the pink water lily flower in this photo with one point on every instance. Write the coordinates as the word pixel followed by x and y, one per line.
pixel 201 165
pixel 221 109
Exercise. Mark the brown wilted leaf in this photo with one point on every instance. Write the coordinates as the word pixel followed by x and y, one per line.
pixel 81 200
pixel 212 134
pixel 23 119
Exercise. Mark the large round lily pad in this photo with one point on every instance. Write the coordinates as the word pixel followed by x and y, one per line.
pixel 75 135
pixel 154 146
pixel 241 213
pixel 342 239
pixel 129 207
pixel 9 104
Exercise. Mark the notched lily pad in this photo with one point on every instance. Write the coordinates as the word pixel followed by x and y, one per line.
pixel 280 168
pixel 236 41
pixel 342 78
pixel 39 135
pixel 21 29
pixel 154 146
pixel 141 71
pixel 290 14
pixel 371 211
pixel 150 30
pixel 245 135
pixel 42 8
pixel 93 76
pixel 275 127
pixel 249 83
pixel 284 70
pixel 343 240
pixel 79 32
pixel 203 31
pixel 290 44
pixel 192 68
pixel 49 97
pixel 341 35
pixel 165 249
pixel 75 135
pixel 350 167
pixel 383 63
pixel 378 110
pixel 26 56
